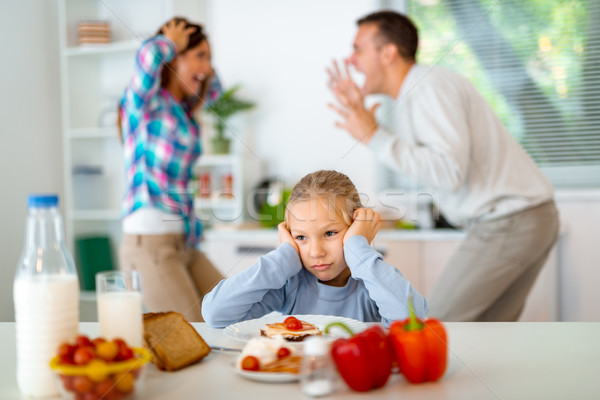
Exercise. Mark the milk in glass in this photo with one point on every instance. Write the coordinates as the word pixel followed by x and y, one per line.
pixel 120 316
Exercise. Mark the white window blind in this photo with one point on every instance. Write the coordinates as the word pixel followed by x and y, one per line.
pixel 537 63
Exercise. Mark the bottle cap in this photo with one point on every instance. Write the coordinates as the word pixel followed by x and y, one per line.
pixel 42 200
pixel 315 345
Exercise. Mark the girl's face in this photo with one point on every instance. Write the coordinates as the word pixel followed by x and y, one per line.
pixel 319 234
pixel 192 68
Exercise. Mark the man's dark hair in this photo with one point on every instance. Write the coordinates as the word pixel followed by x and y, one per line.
pixel 397 29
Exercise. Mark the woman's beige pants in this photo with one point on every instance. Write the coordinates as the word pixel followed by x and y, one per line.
pixel 174 278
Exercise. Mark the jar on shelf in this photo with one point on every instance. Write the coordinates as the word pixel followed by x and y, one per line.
pixel 204 189
pixel 227 185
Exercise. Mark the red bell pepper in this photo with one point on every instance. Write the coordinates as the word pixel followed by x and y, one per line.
pixel 421 347
pixel 364 360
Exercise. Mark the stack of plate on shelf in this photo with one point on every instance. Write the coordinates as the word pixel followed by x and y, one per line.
pixel 93 32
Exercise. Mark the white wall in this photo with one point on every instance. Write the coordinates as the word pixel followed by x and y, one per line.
pixel 278 51
pixel 31 143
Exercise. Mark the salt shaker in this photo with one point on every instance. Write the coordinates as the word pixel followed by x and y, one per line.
pixel 317 369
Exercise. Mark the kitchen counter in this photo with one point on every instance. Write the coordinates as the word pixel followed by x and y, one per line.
pixel 245 233
pixel 486 361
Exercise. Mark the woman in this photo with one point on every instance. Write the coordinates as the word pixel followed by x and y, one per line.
pixel 173 77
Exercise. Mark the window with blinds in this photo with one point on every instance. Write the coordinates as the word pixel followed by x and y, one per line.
pixel 537 62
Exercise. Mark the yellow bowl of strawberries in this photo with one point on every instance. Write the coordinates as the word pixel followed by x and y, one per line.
pixel 99 369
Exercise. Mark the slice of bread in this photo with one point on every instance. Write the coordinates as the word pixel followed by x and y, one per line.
pixel 173 342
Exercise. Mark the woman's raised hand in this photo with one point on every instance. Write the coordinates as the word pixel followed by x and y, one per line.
pixel 366 223
pixel 178 33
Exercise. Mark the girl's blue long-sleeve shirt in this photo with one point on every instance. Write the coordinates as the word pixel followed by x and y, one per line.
pixel 375 292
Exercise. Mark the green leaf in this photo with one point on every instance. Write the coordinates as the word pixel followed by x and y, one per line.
pixel 228 105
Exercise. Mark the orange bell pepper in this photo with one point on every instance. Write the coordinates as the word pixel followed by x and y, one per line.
pixel 421 347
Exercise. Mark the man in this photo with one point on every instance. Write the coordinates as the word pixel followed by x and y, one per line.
pixel 449 139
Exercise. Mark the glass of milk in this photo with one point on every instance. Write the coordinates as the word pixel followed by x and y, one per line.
pixel 119 299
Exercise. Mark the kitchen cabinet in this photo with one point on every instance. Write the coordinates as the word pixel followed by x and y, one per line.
pixel 404 255
pixel 435 255
pixel 419 255
pixel 231 258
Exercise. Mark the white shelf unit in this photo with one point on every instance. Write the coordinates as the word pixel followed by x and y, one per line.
pixel 111 48
pixel 221 207
pixel 93 78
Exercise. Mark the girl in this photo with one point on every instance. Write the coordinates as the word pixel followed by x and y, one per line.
pixel 173 76
pixel 324 264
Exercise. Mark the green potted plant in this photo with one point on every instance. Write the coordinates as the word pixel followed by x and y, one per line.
pixel 222 109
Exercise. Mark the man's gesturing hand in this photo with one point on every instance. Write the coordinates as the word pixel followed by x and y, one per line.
pixel 357 120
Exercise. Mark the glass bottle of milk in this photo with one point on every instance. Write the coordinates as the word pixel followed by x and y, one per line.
pixel 46 297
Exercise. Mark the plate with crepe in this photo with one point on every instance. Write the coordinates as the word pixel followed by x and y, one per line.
pixel 271 325
pixel 271 360
pixel 273 374
pixel 268 377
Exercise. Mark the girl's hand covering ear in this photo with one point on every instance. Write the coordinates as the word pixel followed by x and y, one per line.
pixel 285 236
pixel 366 223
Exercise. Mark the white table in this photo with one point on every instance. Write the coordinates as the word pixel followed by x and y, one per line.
pixel 559 360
